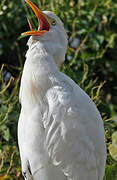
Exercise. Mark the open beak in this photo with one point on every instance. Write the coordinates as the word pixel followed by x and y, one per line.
pixel 44 23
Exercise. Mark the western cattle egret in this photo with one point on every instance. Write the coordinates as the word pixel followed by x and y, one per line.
pixel 60 130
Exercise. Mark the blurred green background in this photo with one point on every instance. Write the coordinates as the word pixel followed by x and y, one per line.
pixel 91 61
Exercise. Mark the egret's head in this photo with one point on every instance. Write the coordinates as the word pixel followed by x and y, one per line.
pixel 50 31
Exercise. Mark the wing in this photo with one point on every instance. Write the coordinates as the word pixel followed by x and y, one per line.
pixel 67 142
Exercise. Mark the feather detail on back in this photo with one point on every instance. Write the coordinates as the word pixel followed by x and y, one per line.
pixel 67 141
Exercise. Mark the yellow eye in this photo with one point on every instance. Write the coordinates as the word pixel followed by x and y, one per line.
pixel 53 22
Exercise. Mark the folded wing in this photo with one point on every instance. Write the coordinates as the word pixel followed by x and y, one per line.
pixel 67 141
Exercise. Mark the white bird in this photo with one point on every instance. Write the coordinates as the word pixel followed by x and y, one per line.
pixel 60 130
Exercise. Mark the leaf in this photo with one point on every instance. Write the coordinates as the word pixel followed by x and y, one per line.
pixel 114 138
pixel 6 135
pixel 111 40
pixel 113 65
pixel 113 151
pixel 100 38
pixel 113 146
pixel 82 31
pixel 4 108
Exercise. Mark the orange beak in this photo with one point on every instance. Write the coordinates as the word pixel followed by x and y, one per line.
pixel 44 24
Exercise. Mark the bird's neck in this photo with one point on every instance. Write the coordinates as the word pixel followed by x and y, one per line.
pixel 54 48
pixel 36 79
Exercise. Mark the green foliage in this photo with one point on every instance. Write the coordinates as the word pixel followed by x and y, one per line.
pixel 113 146
pixel 90 61
pixel 111 172
pixel 9 111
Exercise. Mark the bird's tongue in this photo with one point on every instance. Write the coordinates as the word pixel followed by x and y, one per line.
pixel 44 24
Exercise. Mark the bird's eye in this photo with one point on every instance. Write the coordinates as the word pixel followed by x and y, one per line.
pixel 53 22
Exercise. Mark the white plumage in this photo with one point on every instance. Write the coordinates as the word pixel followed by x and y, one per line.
pixel 60 130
